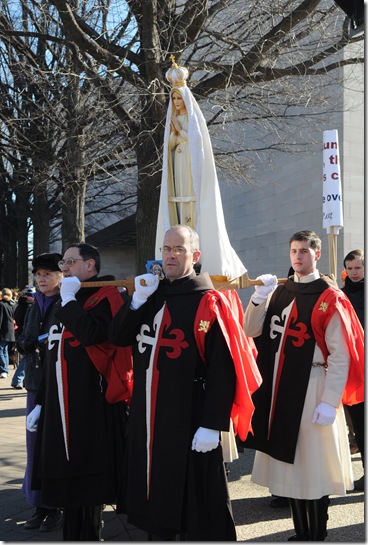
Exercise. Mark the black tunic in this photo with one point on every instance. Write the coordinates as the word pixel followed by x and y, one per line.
pixel 287 337
pixel 170 487
pixel 355 292
pixel 89 472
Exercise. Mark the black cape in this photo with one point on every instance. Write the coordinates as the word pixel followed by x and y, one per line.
pixel 93 473
pixel 170 487
pixel 278 410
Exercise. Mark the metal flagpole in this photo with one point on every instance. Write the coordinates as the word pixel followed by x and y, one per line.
pixel 332 195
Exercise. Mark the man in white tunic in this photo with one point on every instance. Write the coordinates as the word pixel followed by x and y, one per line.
pixel 309 349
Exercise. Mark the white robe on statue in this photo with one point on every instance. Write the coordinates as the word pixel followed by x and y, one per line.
pixel 203 205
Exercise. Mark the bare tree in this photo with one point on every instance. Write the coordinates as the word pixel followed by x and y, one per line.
pixel 252 62
pixel 249 59
pixel 53 138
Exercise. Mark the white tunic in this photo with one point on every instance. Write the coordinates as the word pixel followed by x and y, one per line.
pixel 322 464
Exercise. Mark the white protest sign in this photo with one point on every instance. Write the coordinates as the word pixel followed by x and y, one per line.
pixel 332 194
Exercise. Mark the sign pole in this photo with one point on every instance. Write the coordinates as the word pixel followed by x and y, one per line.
pixel 332 251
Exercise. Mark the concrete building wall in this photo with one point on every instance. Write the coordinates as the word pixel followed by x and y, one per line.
pixel 353 160
pixel 119 261
pixel 288 195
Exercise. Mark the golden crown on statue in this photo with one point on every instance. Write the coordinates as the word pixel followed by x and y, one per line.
pixel 177 75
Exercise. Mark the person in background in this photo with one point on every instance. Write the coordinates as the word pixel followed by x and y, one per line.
pixel 7 330
pixel 309 355
pixel 354 290
pixel 184 337
pixel 24 301
pixel 80 435
pixel 351 435
pixel 47 276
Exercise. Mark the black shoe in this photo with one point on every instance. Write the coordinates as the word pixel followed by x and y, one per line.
pixel 359 484
pixel 37 519
pixel 298 538
pixel 278 501
pixel 53 521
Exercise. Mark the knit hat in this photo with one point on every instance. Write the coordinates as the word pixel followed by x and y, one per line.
pixel 46 261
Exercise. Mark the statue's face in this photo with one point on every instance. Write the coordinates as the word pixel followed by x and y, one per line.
pixel 178 102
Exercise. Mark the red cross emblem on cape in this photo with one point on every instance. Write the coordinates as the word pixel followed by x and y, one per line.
pixel 175 343
pixel 288 326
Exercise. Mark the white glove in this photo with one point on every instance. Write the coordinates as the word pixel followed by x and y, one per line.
pixel 32 418
pixel 261 292
pixel 142 292
pixel 324 415
pixel 69 287
pixel 205 440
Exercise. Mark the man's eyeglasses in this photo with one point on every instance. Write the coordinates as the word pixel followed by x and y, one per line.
pixel 177 250
pixel 69 262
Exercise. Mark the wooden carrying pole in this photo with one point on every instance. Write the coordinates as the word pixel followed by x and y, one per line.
pixel 332 252
pixel 219 282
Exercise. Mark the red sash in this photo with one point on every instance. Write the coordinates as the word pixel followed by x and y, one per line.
pixel 333 300
pixel 115 363
pixel 226 307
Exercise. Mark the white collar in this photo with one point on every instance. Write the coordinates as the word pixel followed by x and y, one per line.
pixel 308 278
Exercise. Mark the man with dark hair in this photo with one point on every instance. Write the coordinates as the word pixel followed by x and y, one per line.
pixel 86 252
pixel 80 438
pixel 354 289
pixel 309 354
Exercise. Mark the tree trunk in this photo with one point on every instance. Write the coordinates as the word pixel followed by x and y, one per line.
pixel 73 213
pixel 11 276
pixel 22 261
pixel 3 233
pixel 41 221
pixel 75 183
pixel 146 217
pixel 149 161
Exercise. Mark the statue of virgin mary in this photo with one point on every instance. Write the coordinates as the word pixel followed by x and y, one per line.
pixel 190 193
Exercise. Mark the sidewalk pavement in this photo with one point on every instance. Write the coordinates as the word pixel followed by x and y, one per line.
pixel 255 519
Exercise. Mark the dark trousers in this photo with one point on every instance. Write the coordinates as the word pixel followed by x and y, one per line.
pixel 310 519
pixel 82 523
pixel 357 417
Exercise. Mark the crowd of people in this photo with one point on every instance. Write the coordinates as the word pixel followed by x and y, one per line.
pixel 98 434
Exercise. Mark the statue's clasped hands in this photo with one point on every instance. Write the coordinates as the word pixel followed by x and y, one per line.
pixel 175 124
